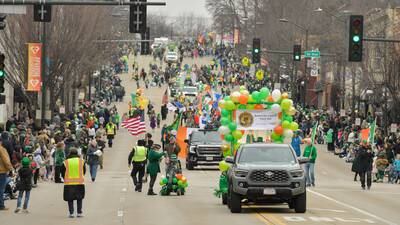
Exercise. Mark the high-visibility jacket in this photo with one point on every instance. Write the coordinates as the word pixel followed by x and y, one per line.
pixel 110 129
pixel 140 154
pixel 73 171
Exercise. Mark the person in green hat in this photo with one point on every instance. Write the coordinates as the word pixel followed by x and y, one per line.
pixel 24 185
pixel 153 166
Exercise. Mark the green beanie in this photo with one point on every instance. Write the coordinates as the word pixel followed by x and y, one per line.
pixel 26 162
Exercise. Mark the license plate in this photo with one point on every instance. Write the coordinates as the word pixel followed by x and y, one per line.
pixel 269 191
pixel 209 158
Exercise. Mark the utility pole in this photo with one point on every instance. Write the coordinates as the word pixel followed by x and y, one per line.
pixel 305 73
pixel 44 72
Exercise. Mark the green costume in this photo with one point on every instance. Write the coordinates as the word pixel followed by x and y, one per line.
pixel 153 167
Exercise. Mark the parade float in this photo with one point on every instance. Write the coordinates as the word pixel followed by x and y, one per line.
pixel 245 115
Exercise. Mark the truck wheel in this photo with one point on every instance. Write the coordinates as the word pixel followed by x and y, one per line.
pixel 189 166
pixel 224 199
pixel 291 204
pixel 300 203
pixel 235 203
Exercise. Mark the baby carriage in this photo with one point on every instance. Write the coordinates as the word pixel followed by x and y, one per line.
pixel 174 180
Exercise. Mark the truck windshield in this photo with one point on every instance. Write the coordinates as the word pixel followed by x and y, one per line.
pixel 267 154
pixel 206 137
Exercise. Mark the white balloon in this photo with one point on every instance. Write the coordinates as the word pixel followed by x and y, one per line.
pixel 276 95
pixel 276 108
pixel 287 133
pixel 224 130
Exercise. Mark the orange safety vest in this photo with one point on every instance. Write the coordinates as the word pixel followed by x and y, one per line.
pixel 74 171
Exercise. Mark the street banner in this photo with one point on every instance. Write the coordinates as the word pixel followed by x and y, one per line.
pixel 393 128
pixel 34 66
pixel 256 119
pixel 236 37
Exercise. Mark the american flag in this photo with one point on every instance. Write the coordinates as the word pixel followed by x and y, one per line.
pixel 134 125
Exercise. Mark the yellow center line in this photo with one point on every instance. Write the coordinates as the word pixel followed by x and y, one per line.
pixel 267 218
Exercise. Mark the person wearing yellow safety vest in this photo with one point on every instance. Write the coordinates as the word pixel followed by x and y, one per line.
pixel 74 187
pixel 110 130
pixel 138 158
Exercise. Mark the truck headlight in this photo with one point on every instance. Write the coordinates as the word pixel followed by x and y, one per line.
pixel 297 173
pixel 192 149
pixel 241 173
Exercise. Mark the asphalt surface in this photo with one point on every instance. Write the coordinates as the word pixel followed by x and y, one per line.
pixel 336 199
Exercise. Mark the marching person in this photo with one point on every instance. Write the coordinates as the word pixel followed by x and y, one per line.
pixel 365 158
pixel 137 158
pixel 153 168
pixel 5 168
pixel 59 158
pixel 110 129
pixel 93 159
pixel 24 185
pixel 74 187
pixel 310 152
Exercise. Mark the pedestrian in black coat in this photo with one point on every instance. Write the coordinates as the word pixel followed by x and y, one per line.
pixel 364 167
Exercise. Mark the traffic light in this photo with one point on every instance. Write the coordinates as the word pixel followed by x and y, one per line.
pixel 256 50
pixel 137 17
pixel 2 73
pixel 2 21
pixel 356 38
pixel 296 52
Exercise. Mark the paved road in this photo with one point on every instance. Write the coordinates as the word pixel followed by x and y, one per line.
pixel 336 199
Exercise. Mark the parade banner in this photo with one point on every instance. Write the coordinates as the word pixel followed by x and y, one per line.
pixel 34 66
pixel 256 119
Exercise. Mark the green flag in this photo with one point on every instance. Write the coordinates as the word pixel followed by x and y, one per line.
pixel 371 137
pixel 314 132
pixel 176 123
pixel 133 97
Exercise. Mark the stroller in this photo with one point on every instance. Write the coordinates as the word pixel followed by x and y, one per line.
pixel 170 182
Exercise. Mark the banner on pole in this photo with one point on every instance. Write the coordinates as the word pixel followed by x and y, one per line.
pixel 34 66
pixel 256 119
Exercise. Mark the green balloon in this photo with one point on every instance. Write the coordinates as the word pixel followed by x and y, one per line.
pixel 286 104
pixel 286 124
pixel 225 121
pixel 180 183
pixel 232 126
pixel 275 136
pixel 250 106
pixel 229 138
pixel 186 184
pixel 175 180
pixel 256 96
pixel 264 92
pixel 229 105
pixel 288 118
pixel 165 180
pixel 237 134
pixel 227 98
pixel 225 113
pixel 294 126
pixel 241 107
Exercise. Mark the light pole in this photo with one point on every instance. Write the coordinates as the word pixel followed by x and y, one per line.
pixel 284 20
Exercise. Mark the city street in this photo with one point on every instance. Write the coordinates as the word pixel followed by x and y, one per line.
pixel 336 199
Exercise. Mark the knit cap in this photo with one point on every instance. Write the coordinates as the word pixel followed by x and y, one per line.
pixel 26 162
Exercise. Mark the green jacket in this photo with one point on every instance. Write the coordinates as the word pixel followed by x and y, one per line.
pixel 59 157
pixel 153 167
pixel 310 150
pixel 329 136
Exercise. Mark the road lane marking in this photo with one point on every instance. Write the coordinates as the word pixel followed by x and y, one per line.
pixel 352 207
pixel 120 213
pixel 328 210
pixel 266 217
pixel 124 189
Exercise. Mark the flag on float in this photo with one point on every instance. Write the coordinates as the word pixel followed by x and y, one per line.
pixel 134 126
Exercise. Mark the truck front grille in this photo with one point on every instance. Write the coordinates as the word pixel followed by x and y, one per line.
pixel 269 176
pixel 209 151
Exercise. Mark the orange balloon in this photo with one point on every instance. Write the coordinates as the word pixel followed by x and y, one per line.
pixel 243 99
pixel 270 99
pixel 222 137
pixel 179 176
pixel 280 115
pixel 258 107
pixel 285 95
pixel 278 130
pixel 242 131
pixel 183 179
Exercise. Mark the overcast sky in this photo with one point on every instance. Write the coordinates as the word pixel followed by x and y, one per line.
pixel 177 7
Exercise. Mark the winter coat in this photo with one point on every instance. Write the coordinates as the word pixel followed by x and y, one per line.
pixel 364 160
pixel 69 143
pixel 92 158
pixel 5 163
pixel 24 182
pixel 296 142
pixel 59 157
pixel 154 158
pixel 310 152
